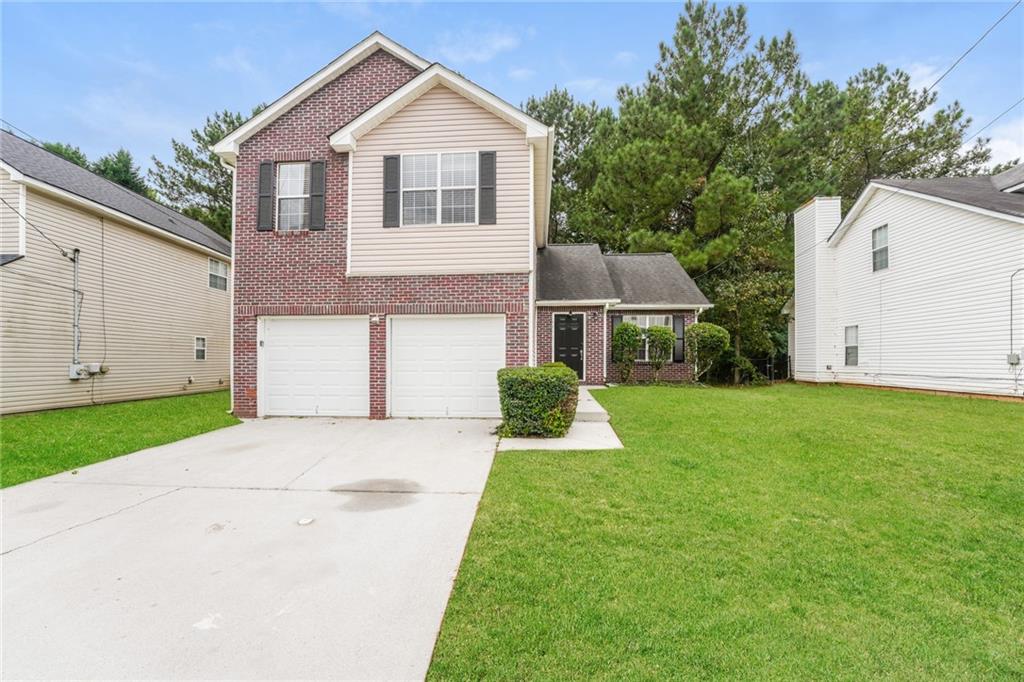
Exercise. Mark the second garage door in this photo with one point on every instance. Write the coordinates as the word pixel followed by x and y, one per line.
pixel 446 366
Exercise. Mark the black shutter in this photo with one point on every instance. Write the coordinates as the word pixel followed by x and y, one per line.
pixel 616 321
pixel 679 350
pixel 392 200
pixel 265 210
pixel 317 190
pixel 488 179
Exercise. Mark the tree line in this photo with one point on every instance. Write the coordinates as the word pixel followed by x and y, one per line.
pixel 706 159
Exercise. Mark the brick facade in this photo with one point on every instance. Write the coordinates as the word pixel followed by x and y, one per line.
pixel 673 371
pixel 594 332
pixel 304 272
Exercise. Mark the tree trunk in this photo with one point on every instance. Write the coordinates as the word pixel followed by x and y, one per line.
pixel 736 373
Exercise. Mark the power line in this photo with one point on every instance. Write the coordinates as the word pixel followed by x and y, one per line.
pixel 28 222
pixel 971 48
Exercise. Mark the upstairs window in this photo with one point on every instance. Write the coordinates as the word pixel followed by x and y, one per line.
pixel 293 196
pixel 645 322
pixel 851 346
pixel 880 248
pixel 218 274
pixel 439 189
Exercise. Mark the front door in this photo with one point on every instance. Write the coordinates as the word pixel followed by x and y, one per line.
pixel 569 341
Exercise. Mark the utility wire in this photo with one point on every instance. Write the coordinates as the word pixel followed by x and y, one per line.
pixel 63 251
pixel 971 48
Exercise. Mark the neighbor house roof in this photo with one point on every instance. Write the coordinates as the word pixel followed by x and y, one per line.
pixel 1011 180
pixel 36 164
pixel 578 273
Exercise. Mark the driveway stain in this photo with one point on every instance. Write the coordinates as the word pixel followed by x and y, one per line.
pixel 377 494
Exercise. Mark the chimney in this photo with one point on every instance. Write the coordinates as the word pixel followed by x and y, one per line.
pixel 814 295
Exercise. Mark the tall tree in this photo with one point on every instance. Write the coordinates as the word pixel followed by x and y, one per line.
pixel 196 183
pixel 69 152
pixel 120 167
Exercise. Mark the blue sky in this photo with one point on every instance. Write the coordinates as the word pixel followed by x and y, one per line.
pixel 107 75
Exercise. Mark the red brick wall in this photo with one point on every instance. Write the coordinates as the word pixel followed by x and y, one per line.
pixel 594 332
pixel 303 273
pixel 673 371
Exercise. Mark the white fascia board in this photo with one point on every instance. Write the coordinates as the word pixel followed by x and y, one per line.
pixel 546 205
pixel 582 302
pixel 869 192
pixel 108 212
pixel 1014 188
pixel 662 306
pixel 346 138
pixel 227 148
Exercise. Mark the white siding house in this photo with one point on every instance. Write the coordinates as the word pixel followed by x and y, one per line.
pixel 913 287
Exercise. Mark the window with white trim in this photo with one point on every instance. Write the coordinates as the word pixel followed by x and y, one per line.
pixel 645 322
pixel 880 248
pixel 293 196
pixel 439 189
pixel 200 348
pixel 852 345
pixel 218 274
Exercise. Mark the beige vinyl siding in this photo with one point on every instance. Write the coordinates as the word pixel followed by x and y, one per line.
pixel 10 224
pixel 438 121
pixel 156 296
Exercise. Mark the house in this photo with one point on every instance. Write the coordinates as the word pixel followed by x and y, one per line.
pixel 914 287
pixel 391 249
pixel 104 294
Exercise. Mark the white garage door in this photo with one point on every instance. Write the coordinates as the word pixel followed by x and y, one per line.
pixel 315 366
pixel 446 366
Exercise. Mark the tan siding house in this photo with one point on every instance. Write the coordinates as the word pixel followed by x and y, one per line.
pixel 145 296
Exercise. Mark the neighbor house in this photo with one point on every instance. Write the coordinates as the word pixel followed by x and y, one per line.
pixel 914 286
pixel 391 229
pixel 150 315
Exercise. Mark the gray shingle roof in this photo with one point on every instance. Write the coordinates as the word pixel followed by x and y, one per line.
pixel 580 272
pixel 979 190
pixel 39 164
pixel 1009 178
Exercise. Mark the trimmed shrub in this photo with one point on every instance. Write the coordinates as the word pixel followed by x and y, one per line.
pixel 537 401
pixel 705 343
pixel 627 340
pixel 660 343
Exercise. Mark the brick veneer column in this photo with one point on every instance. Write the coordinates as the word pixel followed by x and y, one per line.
pixel 378 366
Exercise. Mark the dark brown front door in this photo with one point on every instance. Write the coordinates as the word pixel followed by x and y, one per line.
pixel 569 341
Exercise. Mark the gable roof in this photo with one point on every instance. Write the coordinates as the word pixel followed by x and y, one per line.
pixel 37 164
pixel 574 273
pixel 227 148
pixel 1011 180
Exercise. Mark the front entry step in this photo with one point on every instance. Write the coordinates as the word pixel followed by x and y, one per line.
pixel 588 409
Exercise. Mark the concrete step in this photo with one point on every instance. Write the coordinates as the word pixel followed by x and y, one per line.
pixel 588 409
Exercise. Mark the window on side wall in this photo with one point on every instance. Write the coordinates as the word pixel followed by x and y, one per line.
pixel 218 274
pixel 645 322
pixel 439 189
pixel 293 196
pixel 880 248
pixel 200 348
pixel 852 345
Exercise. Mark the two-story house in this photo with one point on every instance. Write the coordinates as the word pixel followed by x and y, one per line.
pixel 390 249
pixel 920 285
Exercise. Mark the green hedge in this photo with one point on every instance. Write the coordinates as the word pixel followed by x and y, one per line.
pixel 537 401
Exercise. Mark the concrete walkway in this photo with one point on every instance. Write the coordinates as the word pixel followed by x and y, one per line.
pixel 276 549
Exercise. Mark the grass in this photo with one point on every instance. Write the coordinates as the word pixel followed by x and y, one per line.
pixel 789 532
pixel 43 443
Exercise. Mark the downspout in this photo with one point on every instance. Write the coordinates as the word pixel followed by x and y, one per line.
pixel 76 309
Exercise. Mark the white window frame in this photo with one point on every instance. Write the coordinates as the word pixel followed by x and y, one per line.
pixel 875 250
pixel 646 326
pixel 847 345
pixel 438 188
pixel 196 348
pixel 278 196
pixel 214 264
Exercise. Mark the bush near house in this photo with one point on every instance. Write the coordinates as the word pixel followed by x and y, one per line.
pixel 705 343
pixel 660 342
pixel 627 340
pixel 537 401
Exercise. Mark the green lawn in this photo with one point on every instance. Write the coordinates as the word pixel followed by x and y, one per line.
pixel 788 532
pixel 44 443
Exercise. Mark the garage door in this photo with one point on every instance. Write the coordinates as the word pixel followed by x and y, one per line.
pixel 445 366
pixel 315 366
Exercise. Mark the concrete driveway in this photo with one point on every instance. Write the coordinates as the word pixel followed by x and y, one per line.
pixel 196 559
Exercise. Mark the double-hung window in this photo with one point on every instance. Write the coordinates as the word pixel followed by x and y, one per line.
pixel 439 189
pixel 645 322
pixel 852 345
pixel 293 196
pixel 200 348
pixel 880 248
pixel 218 274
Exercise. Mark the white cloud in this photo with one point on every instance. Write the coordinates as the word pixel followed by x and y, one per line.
pixel 922 74
pixel 236 61
pixel 594 87
pixel 476 46
pixel 624 58
pixel 1007 140
pixel 122 110
pixel 520 73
